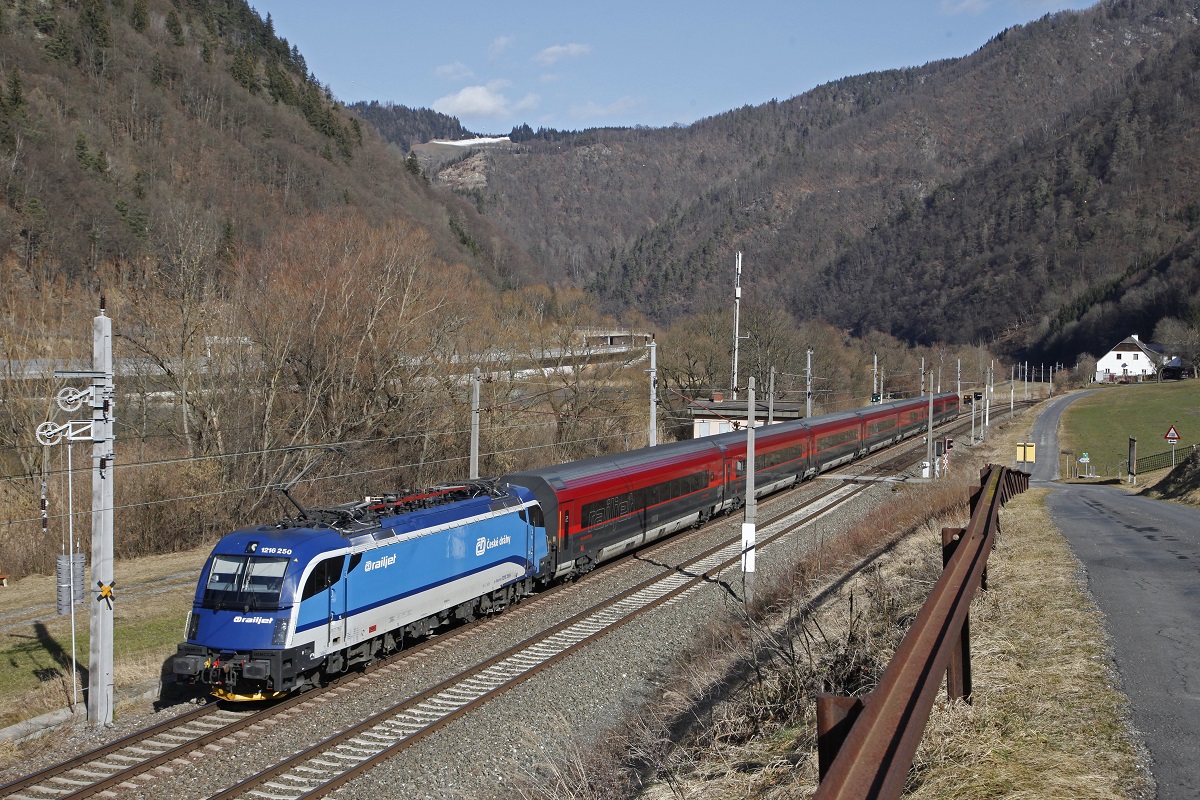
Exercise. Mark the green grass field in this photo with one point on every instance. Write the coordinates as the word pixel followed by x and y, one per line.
pixel 1101 423
pixel 35 655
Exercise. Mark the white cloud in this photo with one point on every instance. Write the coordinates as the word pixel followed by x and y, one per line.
pixel 560 51
pixel 499 45
pixel 527 103
pixel 483 101
pixel 457 71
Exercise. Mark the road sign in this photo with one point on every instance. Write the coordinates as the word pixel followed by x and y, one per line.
pixel 1085 459
pixel 1172 435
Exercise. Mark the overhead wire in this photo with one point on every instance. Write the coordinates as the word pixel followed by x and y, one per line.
pixel 314 479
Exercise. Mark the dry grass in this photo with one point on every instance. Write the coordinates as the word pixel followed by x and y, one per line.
pixel 1048 720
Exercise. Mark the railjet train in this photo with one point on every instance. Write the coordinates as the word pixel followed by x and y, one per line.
pixel 279 608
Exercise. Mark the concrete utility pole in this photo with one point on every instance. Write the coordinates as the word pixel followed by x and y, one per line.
pixel 474 423
pixel 771 399
pixel 973 404
pixel 808 385
pixel 922 376
pixel 748 534
pixel 101 396
pixel 875 378
pixel 100 665
pixel 929 440
pixel 987 396
pixel 653 393
pixel 958 381
pixel 737 312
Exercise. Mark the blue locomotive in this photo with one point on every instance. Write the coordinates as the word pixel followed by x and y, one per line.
pixel 279 608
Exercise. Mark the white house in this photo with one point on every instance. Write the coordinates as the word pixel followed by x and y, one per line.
pixel 1132 360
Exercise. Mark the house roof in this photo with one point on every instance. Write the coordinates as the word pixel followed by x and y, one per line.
pixel 1134 344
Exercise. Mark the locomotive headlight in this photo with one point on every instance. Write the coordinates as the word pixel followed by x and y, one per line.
pixel 281 632
pixel 193 625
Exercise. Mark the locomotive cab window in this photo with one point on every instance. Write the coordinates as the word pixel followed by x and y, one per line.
pixel 247 581
pixel 324 575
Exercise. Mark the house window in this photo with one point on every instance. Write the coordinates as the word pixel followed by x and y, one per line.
pixel 1135 355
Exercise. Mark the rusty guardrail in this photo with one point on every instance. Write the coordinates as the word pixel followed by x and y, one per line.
pixel 865 745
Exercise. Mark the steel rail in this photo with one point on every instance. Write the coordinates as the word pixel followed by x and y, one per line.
pixel 876 755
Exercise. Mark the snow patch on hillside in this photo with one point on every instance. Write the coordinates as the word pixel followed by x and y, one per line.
pixel 472 142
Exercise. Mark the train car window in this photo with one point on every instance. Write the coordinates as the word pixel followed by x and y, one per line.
pixel 599 512
pixel 355 560
pixel 536 518
pixel 521 514
pixel 835 439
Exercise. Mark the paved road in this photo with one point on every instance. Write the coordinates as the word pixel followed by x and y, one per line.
pixel 1143 562
pixel 1045 437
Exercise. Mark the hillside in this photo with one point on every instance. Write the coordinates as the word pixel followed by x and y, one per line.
pixel 1033 193
pixel 122 121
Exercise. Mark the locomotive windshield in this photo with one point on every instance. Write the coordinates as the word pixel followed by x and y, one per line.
pixel 251 582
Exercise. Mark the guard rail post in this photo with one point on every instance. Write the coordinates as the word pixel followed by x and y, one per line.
pixel 958 673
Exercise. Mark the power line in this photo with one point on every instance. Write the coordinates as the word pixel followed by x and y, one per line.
pixel 287 448
pixel 223 492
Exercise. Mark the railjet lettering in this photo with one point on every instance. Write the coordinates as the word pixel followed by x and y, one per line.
pixel 382 563
pixel 483 544
pixel 254 620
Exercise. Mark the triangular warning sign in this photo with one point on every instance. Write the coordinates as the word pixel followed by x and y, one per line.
pixel 1172 435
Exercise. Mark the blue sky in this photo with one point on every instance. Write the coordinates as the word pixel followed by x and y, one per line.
pixel 573 65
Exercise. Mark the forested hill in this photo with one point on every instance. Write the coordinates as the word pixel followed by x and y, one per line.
pixel 1039 192
pixel 406 126
pixel 124 122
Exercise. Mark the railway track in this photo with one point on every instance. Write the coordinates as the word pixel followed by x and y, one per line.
pixel 339 758
pixel 327 765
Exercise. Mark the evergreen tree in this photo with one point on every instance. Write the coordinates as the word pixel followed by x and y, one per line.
pixel 139 16
pixel 244 69
pixel 93 23
pixel 81 149
pixel 16 94
pixel 175 28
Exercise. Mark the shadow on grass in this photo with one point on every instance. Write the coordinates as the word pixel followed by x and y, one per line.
pixel 60 657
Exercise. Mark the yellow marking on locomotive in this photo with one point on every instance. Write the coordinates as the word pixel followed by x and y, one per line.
pixel 246 698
